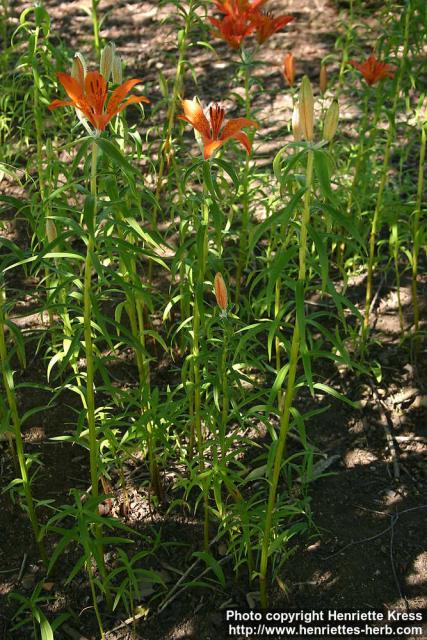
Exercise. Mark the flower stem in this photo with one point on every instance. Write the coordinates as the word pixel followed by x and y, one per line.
pixel 95 23
pixel 197 313
pixel 38 121
pixel 87 315
pixel 243 245
pixel 416 236
pixel 90 365
pixel 225 398
pixel 383 181
pixel 177 87
pixel 290 388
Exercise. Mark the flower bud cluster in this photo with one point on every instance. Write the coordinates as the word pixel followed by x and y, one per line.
pixel 303 115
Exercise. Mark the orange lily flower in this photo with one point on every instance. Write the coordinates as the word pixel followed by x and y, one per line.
pixel 210 130
pixel 238 7
pixel 266 25
pixel 289 68
pixel 233 29
pixel 88 95
pixel 373 70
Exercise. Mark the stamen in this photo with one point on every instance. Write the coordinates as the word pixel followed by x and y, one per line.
pixel 216 114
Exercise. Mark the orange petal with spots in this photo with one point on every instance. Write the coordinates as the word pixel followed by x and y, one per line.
pixel 235 125
pixel 193 113
pixel 71 86
pixel 120 94
pixel 96 91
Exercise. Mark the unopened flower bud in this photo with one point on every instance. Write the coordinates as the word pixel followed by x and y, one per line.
pixel 323 78
pixel 330 123
pixel 296 127
pixel 51 232
pixel 220 291
pixel 117 69
pixel 78 68
pixel 306 109
pixel 106 63
pixel 289 68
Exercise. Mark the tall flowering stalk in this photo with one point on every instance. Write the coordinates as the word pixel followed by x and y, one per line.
pixel 88 94
pixel 212 132
pixel 38 37
pixel 221 296
pixel 183 38
pixel 383 181
pixel 243 18
pixel 416 235
pixel 303 128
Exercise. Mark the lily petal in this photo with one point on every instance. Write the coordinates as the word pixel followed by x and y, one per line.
pixel 96 91
pixel 131 100
pixel 60 103
pixel 193 113
pixel 243 139
pixel 235 125
pixel 71 86
pixel 120 94
pixel 211 146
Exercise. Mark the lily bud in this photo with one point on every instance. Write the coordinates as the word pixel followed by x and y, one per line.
pixel 106 63
pixel 289 68
pixel 78 68
pixel 296 127
pixel 306 109
pixel 220 291
pixel 117 69
pixel 330 123
pixel 323 78
pixel 51 232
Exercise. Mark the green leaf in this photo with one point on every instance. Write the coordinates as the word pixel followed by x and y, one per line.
pixel 321 168
pixel 281 217
pixel 305 355
pixel 210 181
pixel 322 254
pixel 45 628
pixel 116 157
pixel 213 564
pixel 89 212
pixel 229 169
pixel 334 393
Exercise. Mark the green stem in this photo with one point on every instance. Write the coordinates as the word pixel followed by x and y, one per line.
pixel 344 59
pixel 277 307
pixel 16 422
pixel 383 181
pixel 94 600
pixel 416 235
pixel 197 313
pixel 95 22
pixel 225 399
pixel 290 388
pixel 90 364
pixel 87 320
pixel 177 86
pixel 360 152
pixel 243 245
pixel 38 121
